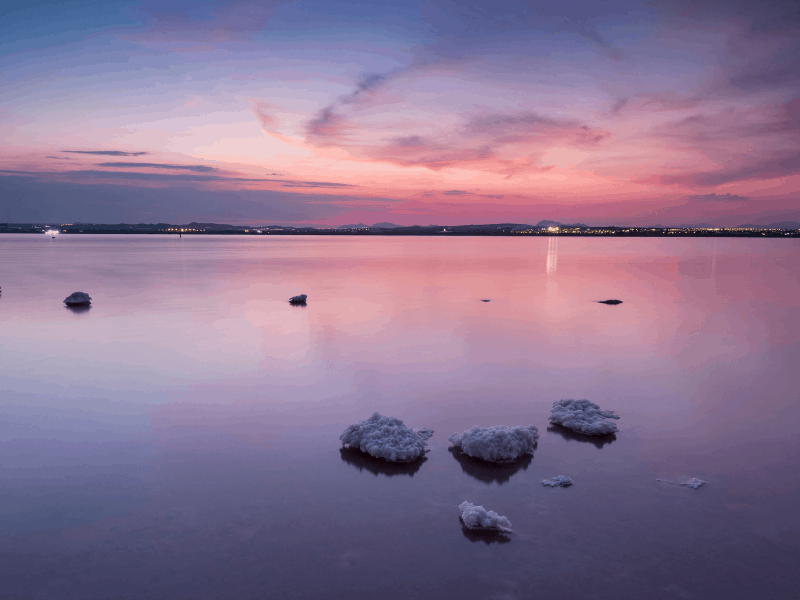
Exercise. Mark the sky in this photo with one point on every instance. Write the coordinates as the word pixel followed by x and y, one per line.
pixel 436 112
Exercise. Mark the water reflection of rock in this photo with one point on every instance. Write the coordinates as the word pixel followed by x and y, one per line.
pixel 78 308
pixel 377 466
pixel 487 537
pixel 489 472
pixel 596 440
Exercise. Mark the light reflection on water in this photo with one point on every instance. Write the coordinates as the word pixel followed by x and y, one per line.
pixel 180 439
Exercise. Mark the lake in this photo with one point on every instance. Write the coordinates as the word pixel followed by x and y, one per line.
pixel 180 438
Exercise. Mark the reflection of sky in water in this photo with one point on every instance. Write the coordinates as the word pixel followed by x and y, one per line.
pixel 182 435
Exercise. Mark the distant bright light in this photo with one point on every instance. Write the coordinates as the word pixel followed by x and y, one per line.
pixel 51 232
pixel 552 229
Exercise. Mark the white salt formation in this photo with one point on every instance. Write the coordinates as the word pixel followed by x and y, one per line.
pixel 583 416
pixel 557 481
pixel 387 438
pixel 301 299
pixel 478 518
pixel 78 299
pixel 496 444
pixel 693 483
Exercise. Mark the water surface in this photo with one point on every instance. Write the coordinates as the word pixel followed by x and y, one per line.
pixel 179 439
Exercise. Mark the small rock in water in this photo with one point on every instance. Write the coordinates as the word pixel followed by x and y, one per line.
pixel 301 299
pixel 609 302
pixel 479 519
pixel 693 483
pixel 486 299
pixel 496 444
pixel 583 416
pixel 78 299
pixel 387 438
pixel 557 481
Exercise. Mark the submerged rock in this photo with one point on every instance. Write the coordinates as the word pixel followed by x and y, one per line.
pixel 78 299
pixel 478 518
pixel 583 416
pixel 387 438
pixel 301 299
pixel 496 444
pixel 693 483
pixel 609 302
pixel 557 481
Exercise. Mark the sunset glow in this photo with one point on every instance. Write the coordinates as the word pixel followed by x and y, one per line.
pixel 326 113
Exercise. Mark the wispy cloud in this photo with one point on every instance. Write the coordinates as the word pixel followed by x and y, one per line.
pixel 105 152
pixel 719 197
pixel 131 165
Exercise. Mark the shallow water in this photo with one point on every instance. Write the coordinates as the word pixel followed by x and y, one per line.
pixel 179 439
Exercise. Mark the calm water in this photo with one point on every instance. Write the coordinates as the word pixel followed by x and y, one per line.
pixel 179 439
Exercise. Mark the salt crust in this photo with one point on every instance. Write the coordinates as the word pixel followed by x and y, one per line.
pixel 77 299
pixel 693 483
pixel 478 518
pixel 557 481
pixel 583 416
pixel 387 438
pixel 496 444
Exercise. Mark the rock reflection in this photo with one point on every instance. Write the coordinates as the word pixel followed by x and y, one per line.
pixel 487 537
pixel 596 440
pixel 488 472
pixel 377 466
pixel 78 308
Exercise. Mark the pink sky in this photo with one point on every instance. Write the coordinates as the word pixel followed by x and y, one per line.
pixel 433 112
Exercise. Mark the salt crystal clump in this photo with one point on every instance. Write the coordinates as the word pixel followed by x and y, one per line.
pixel 78 299
pixel 496 444
pixel 557 481
pixel 693 483
pixel 477 517
pixel 387 438
pixel 583 416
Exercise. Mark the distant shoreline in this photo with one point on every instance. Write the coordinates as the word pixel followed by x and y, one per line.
pixel 493 230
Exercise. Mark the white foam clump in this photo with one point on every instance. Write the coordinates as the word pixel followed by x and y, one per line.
pixel 77 298
pixel 583 416
pixel 387 438
pixel 558 481
pixel 693 483
pixel 496 444
pixel 477 517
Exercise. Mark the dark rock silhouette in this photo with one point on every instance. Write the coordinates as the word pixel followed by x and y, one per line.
pixel 612 302
pixel 298 300
pixel 486 300
pixel 78 299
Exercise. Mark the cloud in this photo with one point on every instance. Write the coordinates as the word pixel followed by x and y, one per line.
pixel 261 109
pixel 79 176
pixel 105 152
pixel 327 127
pixel 130 165
pixel 525 127
pixel 719 197
pixel 31 199
pixel 454 193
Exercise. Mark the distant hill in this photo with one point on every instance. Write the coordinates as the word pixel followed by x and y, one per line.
pixel 557 224
pixel 356 226
pixel 784 225
pixel 385 226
